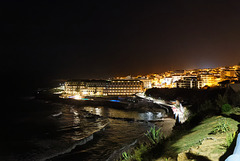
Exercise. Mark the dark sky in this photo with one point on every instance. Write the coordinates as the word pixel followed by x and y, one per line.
pixel 101 39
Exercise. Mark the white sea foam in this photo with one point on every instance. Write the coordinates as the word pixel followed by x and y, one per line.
pixel 73 146
pixel 57 114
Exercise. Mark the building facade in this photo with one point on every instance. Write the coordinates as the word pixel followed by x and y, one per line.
pixel 85 87
pixel 124 87
pixel 147 83
pixel 103 87
pixel 209 79
pixel 189 82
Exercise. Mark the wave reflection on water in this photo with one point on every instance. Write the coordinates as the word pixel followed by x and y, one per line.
pixel 117 135
pixel 117 113
pixel 40 130
pixel 47 130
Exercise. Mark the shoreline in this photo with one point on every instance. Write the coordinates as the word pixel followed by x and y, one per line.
pixel 83 141
pixel 166 123
pixel 166 126
pixel 105 101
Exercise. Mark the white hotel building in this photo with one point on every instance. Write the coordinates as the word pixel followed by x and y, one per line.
pixel 103 87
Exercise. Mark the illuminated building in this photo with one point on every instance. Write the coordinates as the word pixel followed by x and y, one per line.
pixel 209 79
pixel 236 67
pixel 85 87
pixel 93 88
pixel 72 87
pixel 170 82
pixel 147 83
pixel 189 82
pixel 124 87
pixel 167 82
pixel 229 73
pixel 128 85
pixel 103 87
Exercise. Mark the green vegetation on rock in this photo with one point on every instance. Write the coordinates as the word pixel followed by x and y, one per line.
pixel 222 127
pixel 199 141
pixel 208 134
pixel 154 135
pixel 126 156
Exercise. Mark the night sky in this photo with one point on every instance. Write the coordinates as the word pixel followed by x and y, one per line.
pixel 101 39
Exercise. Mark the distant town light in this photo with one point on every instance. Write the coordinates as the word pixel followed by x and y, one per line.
pixel 77 97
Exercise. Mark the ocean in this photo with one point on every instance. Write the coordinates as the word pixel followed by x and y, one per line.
pixel 35 130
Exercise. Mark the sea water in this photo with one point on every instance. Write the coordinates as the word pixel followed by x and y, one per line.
pixel 42 130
